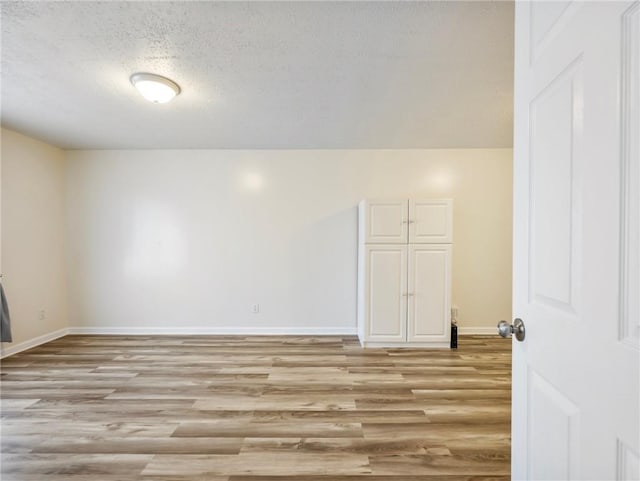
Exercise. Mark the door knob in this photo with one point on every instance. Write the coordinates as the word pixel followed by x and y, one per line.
pixel 506 330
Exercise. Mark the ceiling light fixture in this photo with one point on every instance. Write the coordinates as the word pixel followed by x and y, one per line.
pixel 155 88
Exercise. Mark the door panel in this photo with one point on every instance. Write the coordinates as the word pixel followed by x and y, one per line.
pixel 429 293
pixel 430 221
pixel 555 456
pixel 628 463
pixel 548 20
pixel 386 292
pixel 576 374
pixel 554 166
pixel 630 226
pixel 385 221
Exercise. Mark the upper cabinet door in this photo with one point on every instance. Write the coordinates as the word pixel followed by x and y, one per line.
pixel 385 221
pixel 431 221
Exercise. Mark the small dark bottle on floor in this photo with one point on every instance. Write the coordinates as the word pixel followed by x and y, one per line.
pixel 454 336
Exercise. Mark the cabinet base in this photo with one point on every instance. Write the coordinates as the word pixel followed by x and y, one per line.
pixel 408 345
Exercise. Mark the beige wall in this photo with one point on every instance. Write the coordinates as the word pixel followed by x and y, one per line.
pixel 190 240
pixel 175 241
pixel 32 234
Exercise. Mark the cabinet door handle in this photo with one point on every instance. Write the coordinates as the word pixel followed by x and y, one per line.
pixel 407 294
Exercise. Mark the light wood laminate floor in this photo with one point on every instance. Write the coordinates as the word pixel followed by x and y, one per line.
pixel 230 408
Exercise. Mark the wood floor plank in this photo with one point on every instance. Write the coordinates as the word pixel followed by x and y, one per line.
pixel 233 428
pixel 254 408
pixel 344 445
pixel 16 404
pixel 438 465
pixel 140 445
pixel 264 464
pixel 97 465
pixel 274 402
pixel 114 427
pixel 448 434
pixel 463 394
pixel 341 416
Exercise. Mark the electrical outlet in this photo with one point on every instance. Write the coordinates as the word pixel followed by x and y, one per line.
pixel 42 315
pixel 256 308
pixel 454 313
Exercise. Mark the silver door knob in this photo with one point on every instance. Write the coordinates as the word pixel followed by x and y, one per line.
pixel 506 330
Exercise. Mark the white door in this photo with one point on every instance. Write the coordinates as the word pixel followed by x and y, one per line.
pixel 385 221
pixel 386 293
pixel 575 376
pixel 429 294
pixel 430 221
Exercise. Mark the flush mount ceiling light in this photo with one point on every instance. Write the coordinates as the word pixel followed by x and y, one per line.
pixel 155 88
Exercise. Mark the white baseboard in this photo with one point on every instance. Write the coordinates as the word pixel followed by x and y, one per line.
pixel 213 331
pixel 477 331
pixel 173 331
pixel 11 349
pixel 409 345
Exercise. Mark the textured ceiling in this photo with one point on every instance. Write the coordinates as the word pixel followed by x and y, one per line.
pixel 326 75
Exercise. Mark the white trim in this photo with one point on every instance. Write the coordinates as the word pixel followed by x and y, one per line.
pixel 629 183
pixel 407 345
pixel 220 331
pixel 229 331
pixel 174 331
pixel 10 350
pixel 477 331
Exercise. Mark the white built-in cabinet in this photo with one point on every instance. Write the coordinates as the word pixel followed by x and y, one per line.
pixel 404 272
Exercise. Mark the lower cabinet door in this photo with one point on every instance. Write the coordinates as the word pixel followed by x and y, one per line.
pixel 386 293
pixel 429 293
